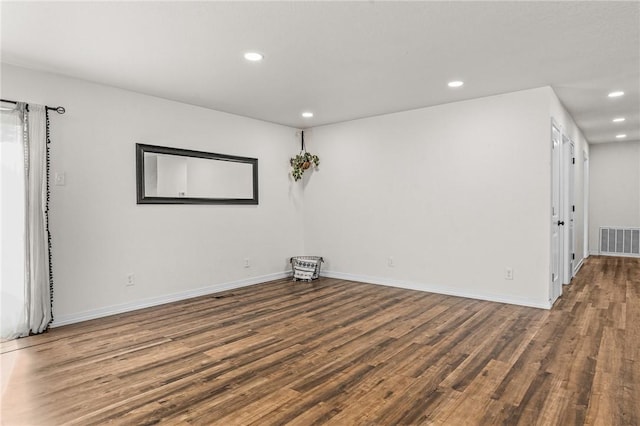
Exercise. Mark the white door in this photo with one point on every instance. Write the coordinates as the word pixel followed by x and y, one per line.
pixel 570 212
pixel 556 223
pixel 585 204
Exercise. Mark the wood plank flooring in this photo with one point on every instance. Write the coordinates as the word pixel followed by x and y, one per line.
pixel 342 353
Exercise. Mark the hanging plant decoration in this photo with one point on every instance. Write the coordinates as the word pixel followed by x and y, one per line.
pixel 302 161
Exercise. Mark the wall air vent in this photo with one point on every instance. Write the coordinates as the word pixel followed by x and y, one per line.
pixel 620 241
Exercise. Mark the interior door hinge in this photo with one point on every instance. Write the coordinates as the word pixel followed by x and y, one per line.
pixel 573 160
pixel 573 256
pixel 573 208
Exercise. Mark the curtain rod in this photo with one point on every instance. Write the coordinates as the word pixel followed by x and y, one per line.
pixel 58 109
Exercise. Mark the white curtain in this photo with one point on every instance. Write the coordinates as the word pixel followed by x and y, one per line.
pixel 24 254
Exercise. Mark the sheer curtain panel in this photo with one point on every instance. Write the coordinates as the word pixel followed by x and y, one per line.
pixel 24 254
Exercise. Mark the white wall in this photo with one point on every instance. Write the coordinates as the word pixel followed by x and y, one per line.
pixel 100 234
pixel 614 188
pixel 454 193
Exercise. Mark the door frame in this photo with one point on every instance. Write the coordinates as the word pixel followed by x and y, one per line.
pixel 585 215
pixel 556 214
pixel 567 185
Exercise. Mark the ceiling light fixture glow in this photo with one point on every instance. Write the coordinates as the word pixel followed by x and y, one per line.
pixel 618 120
pixel 616 94
pixel 622 136
pixel 253 56
pixel 307 114
pixel 456 83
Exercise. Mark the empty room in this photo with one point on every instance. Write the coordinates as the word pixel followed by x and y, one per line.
pixel 308 212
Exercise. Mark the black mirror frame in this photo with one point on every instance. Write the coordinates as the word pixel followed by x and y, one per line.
pixel 143 199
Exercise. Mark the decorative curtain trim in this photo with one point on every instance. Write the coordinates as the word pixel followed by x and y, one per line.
pixel 46 217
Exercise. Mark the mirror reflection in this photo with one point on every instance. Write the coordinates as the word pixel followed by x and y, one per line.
pixel 177 176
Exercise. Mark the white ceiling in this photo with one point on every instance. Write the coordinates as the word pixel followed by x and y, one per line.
pixel 341 60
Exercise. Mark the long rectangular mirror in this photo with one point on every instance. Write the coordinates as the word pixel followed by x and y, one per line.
pixel 181 176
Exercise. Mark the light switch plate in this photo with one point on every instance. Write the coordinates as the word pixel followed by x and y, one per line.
pixel 59 178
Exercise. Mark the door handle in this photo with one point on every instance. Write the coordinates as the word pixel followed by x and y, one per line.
pixel 560 223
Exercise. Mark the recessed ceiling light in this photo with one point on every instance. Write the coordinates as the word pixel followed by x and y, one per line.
pixel 253 56
pixel 622 136
pixel 618 120
pixel 456 83
pixel 616 94
pixel 307 114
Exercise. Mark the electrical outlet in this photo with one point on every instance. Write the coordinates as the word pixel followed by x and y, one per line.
pixel 131 279
pixel 508 273
pixel 390 262
pixel 247 264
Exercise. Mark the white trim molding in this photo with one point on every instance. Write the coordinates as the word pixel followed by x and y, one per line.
pixel 597 253
pixel 161 300
pixel 436 289
pixel 578 266
pixel 636 256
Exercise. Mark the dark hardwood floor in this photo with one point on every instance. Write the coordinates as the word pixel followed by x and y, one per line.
pixel 342 353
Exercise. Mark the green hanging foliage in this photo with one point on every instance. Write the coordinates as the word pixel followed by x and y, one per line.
pixel 302 162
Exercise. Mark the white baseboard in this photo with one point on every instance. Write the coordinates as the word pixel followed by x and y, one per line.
pixel 577 267
pixel 437 289
pixel 161 300
pixel 615 254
